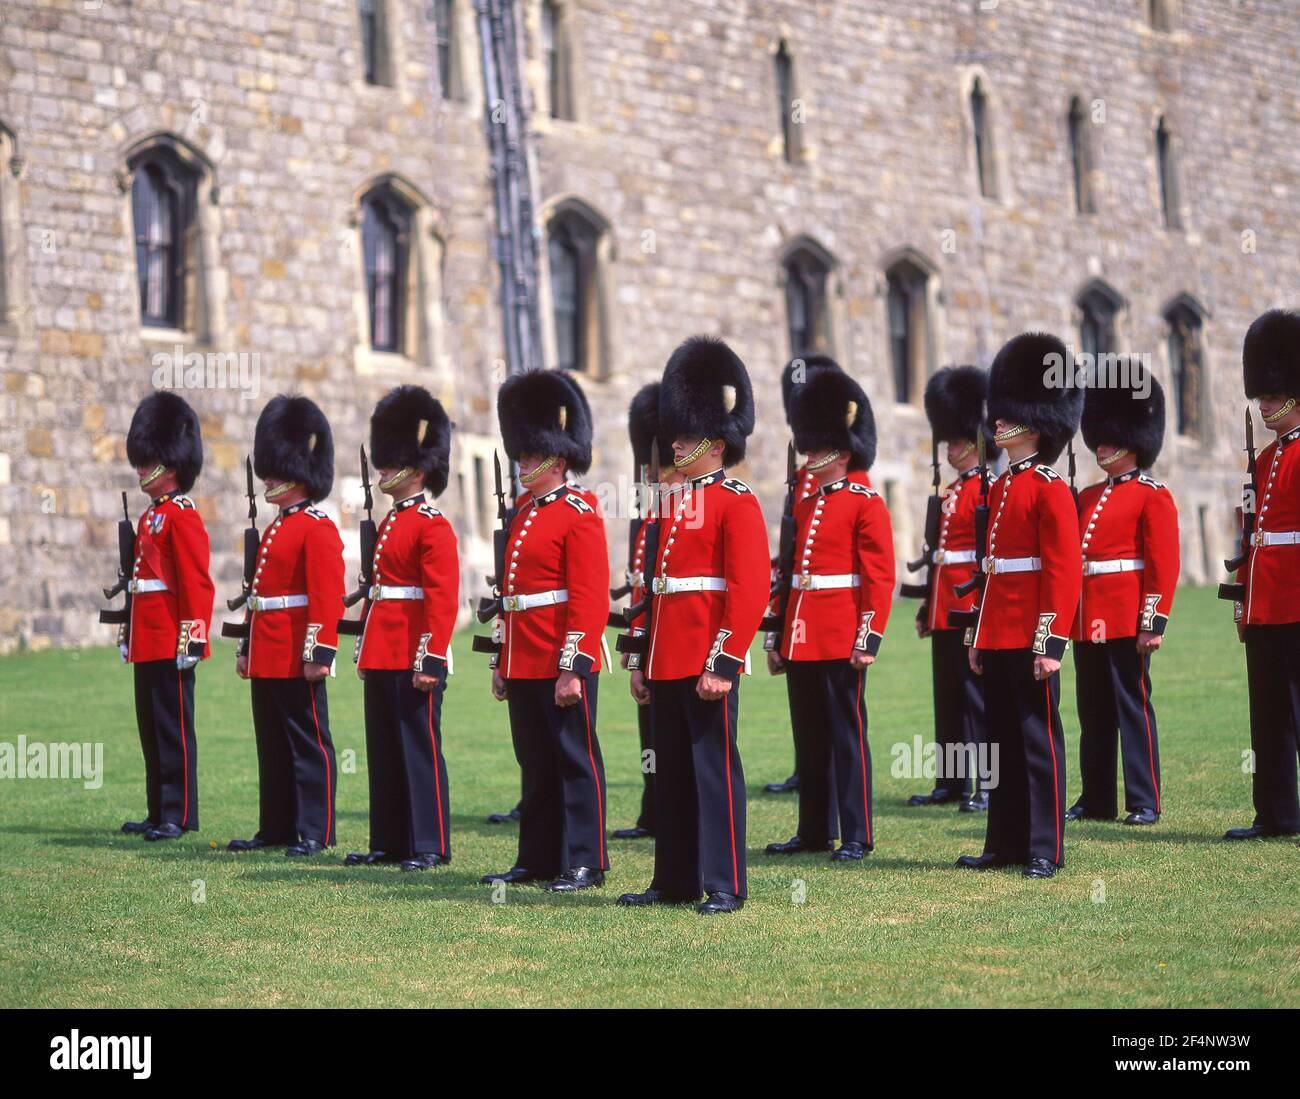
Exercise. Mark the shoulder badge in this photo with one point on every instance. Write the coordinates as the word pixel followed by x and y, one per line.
pixel 1047 473
pixel 735 485
pixel 182 501
pixel 315 513
pixel 862 490
pixel 578 503
pixel 428 511
pixel 1150 482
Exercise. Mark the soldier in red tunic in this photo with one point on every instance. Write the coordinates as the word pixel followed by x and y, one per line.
pixel 170 593
pixel 555 604
pixel 1128 526
pixel 842 592
pixel 1032 578
pixel 954 405
pixel 709 589
pixel 294 606
pixel 404 652
pixel 1269 613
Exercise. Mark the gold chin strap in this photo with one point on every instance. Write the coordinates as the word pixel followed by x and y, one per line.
pixel 1282 413
pixel 694 455
pixel 529 478
pixel 396 479
pixel 962 456
pixel 281 489
pixel 1121 453
pixel 822 463
pixel 1010 433
pixel 157 472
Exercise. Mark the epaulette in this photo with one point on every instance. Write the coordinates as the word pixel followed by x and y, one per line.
pixel 182 501
pixel 578 503
pixel 862 490
pixel 1150 482
pixel 1047 473
pixel 429 511
pixel 315 512
pixel 736 485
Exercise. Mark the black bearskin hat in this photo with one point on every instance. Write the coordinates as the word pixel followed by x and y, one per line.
pixel 410 428
pixel 165 431
pixel 830 411
pixel 1270 355
pixel 545 412
pixel 954 405
pixel 293 442
pixel 706 393
pixel 1028 386
pixel 810 365
pixel 1119 416
pixel 643 428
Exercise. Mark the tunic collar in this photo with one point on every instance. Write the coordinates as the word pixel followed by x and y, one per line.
pixel 293 508
pixel 410 501
pixel 550 497
pixel 1024 464
pixel 1131 475
pixel 834 486
pixel 708 479
pixel 160 500
pixel 1290 437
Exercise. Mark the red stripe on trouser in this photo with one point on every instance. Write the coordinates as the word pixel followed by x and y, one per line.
pixel 862 756
pixel 329 781
pixel 731 804
pixel 1056 782
pixel 591 758
pixel 437 782
pixel 185 751
pixel 1146 716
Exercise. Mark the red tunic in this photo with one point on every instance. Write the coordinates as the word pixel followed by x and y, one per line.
pixel 1127 518
pixel 171 545
pixel 715 529
pixel 1032 514
pixel 416 549
pixel 1272 594
pixel 843 530
pixel 956 536
pixel 300 554
pixel 556 543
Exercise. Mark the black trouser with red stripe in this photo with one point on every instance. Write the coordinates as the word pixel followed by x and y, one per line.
pixel 829 709
pixel 1113 689
pixel 409 807
pixel 1273 676
pixel 296 772
pixel 164 714
pixel 699 792
pixel 562 810
pixel 645 733
pixel 1022 714
pixel 958 712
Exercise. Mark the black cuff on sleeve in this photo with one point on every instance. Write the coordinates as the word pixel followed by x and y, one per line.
pixel 1158 624
pixel 872 645
pixel 577 662
pixel 321 654
pixel 1054 647
pixel 432 665
pixel 728 667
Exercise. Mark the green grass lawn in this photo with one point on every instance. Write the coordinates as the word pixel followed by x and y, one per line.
pixel 1166 916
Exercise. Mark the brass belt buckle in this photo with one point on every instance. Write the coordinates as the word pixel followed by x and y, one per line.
pixel 1258 538
pixel 510 603
pixel 659 585
pixel 989 566
pixel 805 581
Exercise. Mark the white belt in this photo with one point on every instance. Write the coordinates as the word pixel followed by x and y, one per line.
pixel 275 602
pixel 1012 564
pixel 667 585
pixel 1277 537
pixel 810 581
pixel 389 591
pixel 1098 568
pixel 138 586
pixel 537 599
pixel 954 557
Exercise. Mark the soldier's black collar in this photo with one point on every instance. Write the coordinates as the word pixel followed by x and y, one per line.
pixel 550 497
pixel 834 486
pixel 160 500
pixel 293 508
pixel 1290 437
pixel 709 479
pixel 1024 464
pixel 410 501
pixel 974 471
pixel 1131 475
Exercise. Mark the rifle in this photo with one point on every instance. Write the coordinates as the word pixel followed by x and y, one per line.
pixel 369 539
pixel 1074 491
pixel 967 619
pixel 633 533
pixel 125 567
pixel 1234 591
pixel 780 592
pixel 490 606
pixel 639 644
pixel 251 541
pixel 933 521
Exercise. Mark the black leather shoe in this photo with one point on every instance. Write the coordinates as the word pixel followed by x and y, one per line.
pixel 635 833
pixel 426 861
pixel 504 818
pixel 514 874
pixel 789 786
pixel 848 851
pixel 575 878
pixel 976 803
pixel 1075 812
pixel 304 848
pixel 937 796
pixel 368 858
pixel 986 861
pixel 795 846
pixel 137 827
pixel 1040 868
pixel 256 843
pixel 639 900
pixel 1254 832
pixel 166 831
pixel 715 903
pixel 1142 816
